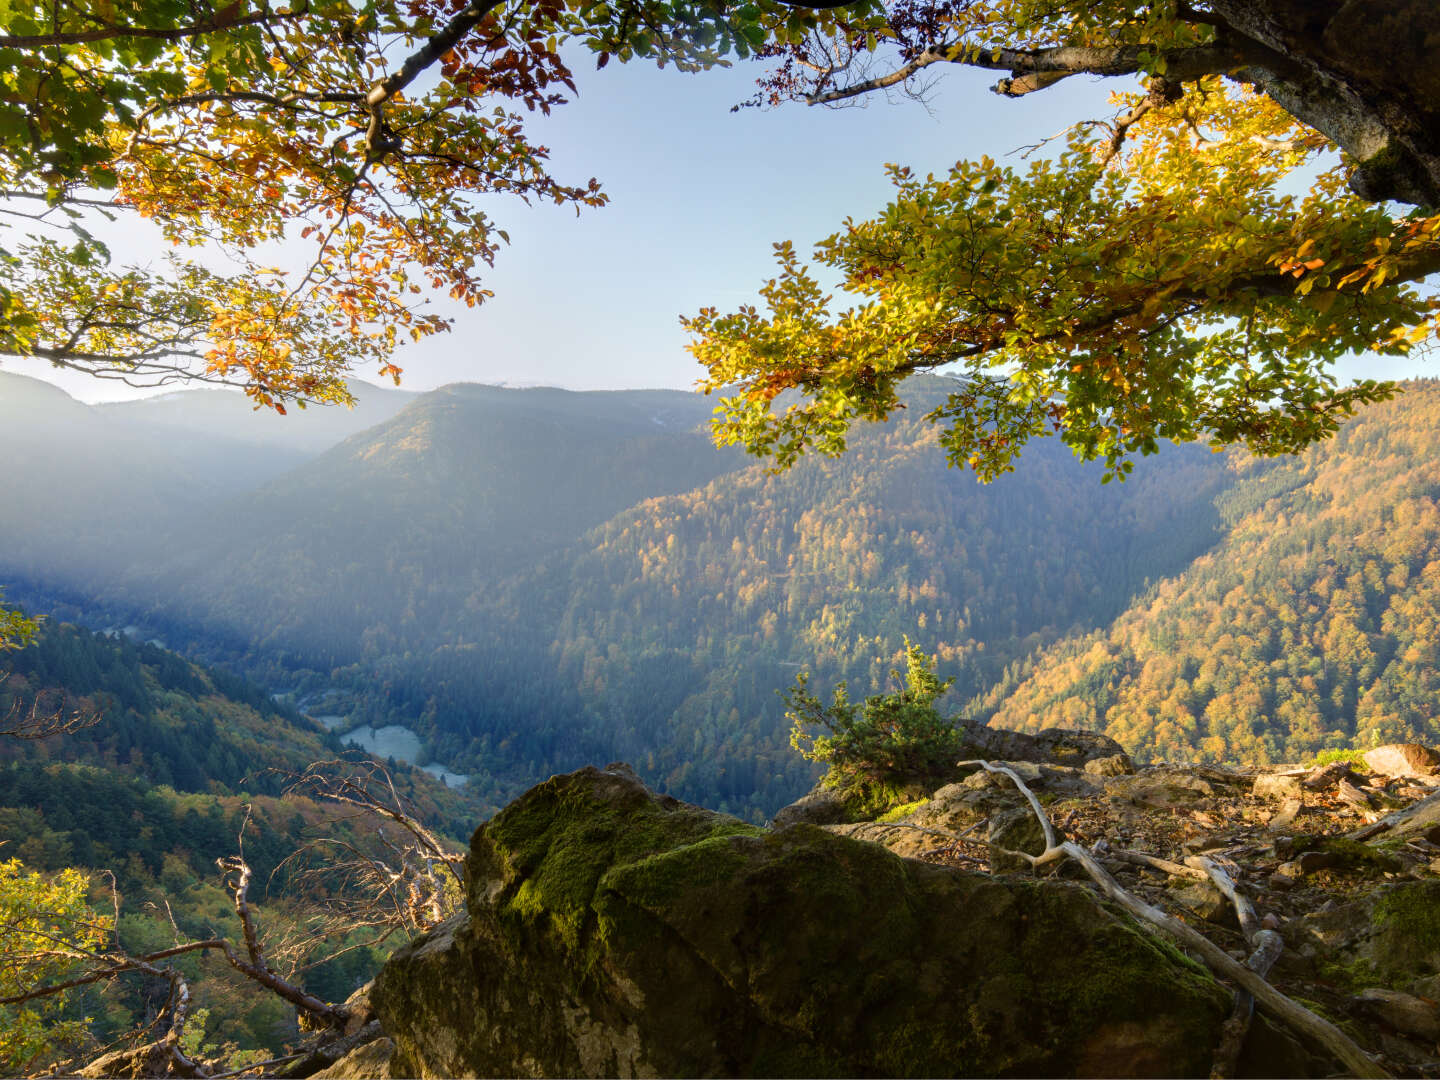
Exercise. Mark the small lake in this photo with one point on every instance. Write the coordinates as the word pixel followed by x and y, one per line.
pixel 391 741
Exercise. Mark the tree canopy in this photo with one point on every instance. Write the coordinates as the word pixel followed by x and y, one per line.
pixel 1157 274
pixel 370 132
pixel 1186 269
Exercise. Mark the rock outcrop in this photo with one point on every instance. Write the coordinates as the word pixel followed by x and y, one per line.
pixel 614 932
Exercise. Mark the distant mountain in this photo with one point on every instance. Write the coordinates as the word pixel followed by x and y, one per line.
pixel 385 535
pixel 229 415
pixel 89 491
pixel 1314 622
pixel 662 636
pixel 535 579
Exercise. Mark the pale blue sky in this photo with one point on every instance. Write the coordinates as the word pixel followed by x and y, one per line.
pixel 698 195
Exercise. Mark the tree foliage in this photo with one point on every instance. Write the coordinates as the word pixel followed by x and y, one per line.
pixel 372 134
pixel 46 928
pixel 1157 278
pixel 891 739
pixel 16 631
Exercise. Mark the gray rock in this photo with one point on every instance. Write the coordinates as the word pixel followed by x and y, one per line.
pixel 1286 815
pixel 1402 759
pixel 1053 746
pixel 821 807
pixel 1203 898
pixel 1114 765
pixel 1389 938
pixel 1161 787
pixel 1276 786
pixel 1014 830
pixel 1404 1012
pixel 612 932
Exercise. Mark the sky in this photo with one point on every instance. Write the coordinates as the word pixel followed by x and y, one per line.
pixel 698 194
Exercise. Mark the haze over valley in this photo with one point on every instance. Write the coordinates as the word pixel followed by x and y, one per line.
pixel 528 580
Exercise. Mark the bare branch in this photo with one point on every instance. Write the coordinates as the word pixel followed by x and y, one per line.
pixel 38 720
pixel 1283 1008
pixel 1035 69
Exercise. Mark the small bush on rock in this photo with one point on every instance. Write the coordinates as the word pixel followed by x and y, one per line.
pixel 875 750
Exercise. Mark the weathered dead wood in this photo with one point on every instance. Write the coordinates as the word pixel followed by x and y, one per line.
pixel 1139 858
pixel 1399 817
pixel 1266 946
pixel 1311 1027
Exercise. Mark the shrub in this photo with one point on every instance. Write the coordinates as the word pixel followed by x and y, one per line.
pixel 891 740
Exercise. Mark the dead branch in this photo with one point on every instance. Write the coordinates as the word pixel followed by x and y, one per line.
pixel 407 881
pixel 1389 821
pixel 38 720
pixel 1297 1017
pixel 1138 858
pixel 1266 946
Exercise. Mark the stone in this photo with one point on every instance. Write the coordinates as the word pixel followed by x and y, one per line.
pixel 1028 771
pixel 1053 746
pixel 1276 786
pixel 1402 759
pixel 956 807
pixel 1114 765
pixel 1406 1013
pixel 1286 815
pixel 611 931
pixel 822 806
pixel 1014 830
pixel 1203 898
pixel 1160 788
pixel 1390 938
pixel 371 1061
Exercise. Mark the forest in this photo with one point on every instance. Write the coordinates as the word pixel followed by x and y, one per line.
pixel 162 768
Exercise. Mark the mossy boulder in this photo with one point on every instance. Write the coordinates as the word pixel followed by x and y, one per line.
pixel 1389 938
pixel 613 931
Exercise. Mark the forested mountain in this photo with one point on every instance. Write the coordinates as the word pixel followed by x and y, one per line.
pixel 373 546
pixel 671 627
pixel 538 579
pixel 171 763
pixel 1314 623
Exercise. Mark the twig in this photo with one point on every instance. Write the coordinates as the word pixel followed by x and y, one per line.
pixel 1139 858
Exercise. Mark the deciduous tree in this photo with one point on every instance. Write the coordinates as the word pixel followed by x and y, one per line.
pixel 1185 269
pixel 371 134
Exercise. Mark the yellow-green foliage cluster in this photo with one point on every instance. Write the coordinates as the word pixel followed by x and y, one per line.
pixel 46 928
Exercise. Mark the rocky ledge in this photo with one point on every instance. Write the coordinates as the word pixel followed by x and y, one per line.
pixel 611 931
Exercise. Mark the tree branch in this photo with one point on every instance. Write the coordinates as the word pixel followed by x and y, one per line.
pixel 1035 69
pixel 111 32
pixel 1220 962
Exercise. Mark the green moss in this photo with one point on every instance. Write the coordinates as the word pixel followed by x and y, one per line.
pixel 1412 913
pixel 553 846
pixel 1349 854
pixel 904 810
pixel 799 952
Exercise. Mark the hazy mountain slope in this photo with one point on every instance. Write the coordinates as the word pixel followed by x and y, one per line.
pixel 227 415
pixel 376 542
pixel 87 493
pixel 662 636
pixel 1314 623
